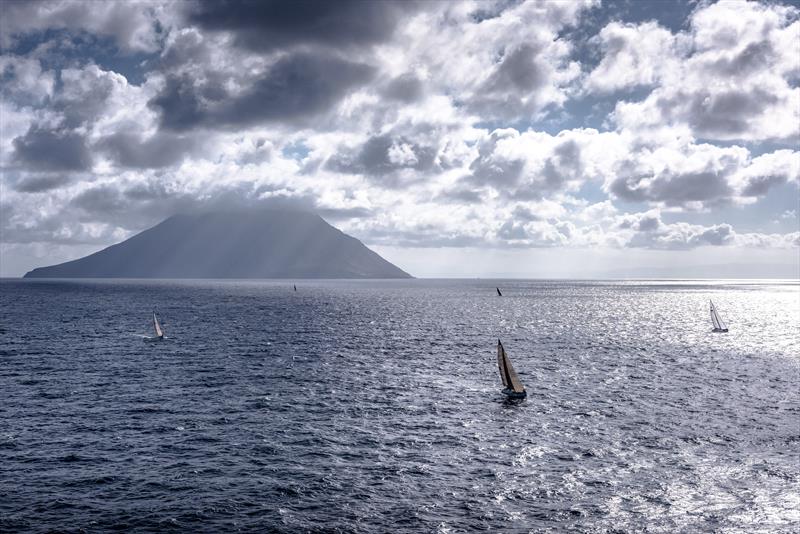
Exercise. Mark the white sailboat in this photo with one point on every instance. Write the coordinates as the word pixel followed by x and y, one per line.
pixel 157 327
pixel 513 387
pixel 716 320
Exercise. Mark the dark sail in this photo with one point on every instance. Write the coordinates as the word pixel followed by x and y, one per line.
pixel 507 373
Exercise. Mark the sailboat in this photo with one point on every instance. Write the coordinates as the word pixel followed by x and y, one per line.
pixel 159 332
pixel 716 320
pixel 498 292
pixel 513 387
pixel 295 287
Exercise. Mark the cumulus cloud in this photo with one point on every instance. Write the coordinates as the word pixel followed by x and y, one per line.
pixel 25 81
pixel 646 230
pixel 727 78
pixel 382 155
pixel 633 55
pixel 411 124
pixel 133 25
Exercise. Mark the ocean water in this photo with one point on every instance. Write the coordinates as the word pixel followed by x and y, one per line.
pixel 375 406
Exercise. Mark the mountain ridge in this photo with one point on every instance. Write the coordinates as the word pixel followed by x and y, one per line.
pixel 268 243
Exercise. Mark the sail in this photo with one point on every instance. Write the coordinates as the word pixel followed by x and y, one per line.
pixel 716 320
pixel 157 326
pixel 507 373
pixel 498 292
pixel 501 358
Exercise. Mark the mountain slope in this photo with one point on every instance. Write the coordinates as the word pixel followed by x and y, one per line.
pixel 253 244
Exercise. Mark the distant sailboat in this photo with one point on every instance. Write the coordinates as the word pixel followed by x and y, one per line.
pixel 159 332
pixel 716 320
pixel 295 288
pixel 498 292
pixel 513 387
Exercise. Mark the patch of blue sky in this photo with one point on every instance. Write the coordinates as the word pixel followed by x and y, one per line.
pixel 296 151
pixel 78 48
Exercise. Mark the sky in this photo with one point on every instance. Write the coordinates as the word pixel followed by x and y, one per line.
pixel 466 139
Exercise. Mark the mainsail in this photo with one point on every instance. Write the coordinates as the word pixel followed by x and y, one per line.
pixel 507 373
pixel 716 320
pixel 159 332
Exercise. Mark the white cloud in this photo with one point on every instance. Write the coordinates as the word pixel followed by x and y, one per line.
pixel 442 142
pixel 633 55
pixel 133 24
pixel 24 80
pixel 727 78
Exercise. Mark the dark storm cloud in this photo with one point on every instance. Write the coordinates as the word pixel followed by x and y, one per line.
pixel 264 25
pixel 160 150
pixel 52 150
pixel 295 88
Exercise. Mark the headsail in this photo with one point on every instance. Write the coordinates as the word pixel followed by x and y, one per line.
pixel 716 320
pixel 507 373
pixel 159 332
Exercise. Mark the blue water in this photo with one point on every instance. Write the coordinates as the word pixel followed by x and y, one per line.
pixel 376 407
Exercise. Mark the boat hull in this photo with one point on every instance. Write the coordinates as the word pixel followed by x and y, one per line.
pixel 511 394
pixel 720 330
pixel 152 339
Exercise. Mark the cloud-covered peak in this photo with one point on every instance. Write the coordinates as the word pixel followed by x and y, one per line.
pixel 496 125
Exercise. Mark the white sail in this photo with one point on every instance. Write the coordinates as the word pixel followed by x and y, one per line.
pixel 507 373
pixel 716 320
pixel 159 332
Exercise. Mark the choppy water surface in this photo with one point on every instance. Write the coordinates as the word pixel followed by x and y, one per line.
pixel 375 407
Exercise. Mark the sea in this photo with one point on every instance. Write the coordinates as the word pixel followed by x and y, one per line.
pixel 376 406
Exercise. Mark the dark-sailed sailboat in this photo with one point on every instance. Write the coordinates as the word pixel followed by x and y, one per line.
pixel 716 320
pixel 513 387
pixel 498 292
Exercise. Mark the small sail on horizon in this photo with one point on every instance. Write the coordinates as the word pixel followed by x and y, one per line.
pixel 498 292
pixel 716 320
pixel 512 383
pixel 157 327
